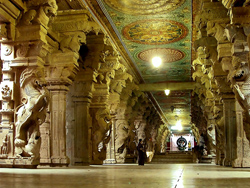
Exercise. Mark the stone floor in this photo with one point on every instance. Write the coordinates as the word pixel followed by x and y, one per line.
pixel 129 175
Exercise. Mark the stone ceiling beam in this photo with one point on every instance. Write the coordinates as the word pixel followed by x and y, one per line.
pixel 167 85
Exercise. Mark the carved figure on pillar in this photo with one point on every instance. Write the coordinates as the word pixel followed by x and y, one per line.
pixel 72 42
pixel 44 10
pixel 211 139
pixel 219 126
pixel 31 113
pixel 196 132
pixel 5 146
pixel 122 131
pixel 101 134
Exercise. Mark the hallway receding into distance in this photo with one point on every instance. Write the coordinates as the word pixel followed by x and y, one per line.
pixel 127 175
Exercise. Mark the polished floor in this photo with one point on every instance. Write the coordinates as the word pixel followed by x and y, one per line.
pixel 131 176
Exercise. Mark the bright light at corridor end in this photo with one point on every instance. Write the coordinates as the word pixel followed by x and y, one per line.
pixel 167 91
pixel 178 126
pixel 156 61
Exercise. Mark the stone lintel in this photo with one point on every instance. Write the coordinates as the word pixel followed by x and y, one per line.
pixel 57 87
pixel 31 33
pixel 9 12
pixel 227 96
pixel 241 15
pixel 27 62
pixel 168 85
pixel 71 21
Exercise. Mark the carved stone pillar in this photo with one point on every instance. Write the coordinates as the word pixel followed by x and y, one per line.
pixel 243 149
pixel 60 75
pixel 79 122
pixel 230 129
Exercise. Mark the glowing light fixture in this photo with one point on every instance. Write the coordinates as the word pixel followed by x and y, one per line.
pixel 167 91
pixel 156 61
pixel 177 126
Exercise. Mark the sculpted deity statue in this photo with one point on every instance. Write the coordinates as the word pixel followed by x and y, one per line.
pixel 5 145
pixel 31 113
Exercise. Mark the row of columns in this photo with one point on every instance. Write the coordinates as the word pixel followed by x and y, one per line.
pixel 222 48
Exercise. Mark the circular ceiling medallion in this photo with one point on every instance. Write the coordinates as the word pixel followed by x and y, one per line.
pixel 143 7
pixel 167 55
pixel 155 31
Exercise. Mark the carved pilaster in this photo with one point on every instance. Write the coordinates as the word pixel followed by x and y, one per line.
pixel 78 121
pixel 7 112
pixel 230 129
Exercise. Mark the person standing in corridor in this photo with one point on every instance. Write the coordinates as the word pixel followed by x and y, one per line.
pixel 141 152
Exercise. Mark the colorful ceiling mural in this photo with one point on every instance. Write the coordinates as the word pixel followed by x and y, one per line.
pixel 149 28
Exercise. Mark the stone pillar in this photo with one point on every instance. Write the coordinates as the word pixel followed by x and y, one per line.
pixel 243 150
pixel 230 129
pixel 60 75
pixel 79 122
pixel 82 126
pixel 58 122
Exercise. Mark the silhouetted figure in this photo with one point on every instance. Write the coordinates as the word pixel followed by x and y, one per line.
pixel 201 146
pixel 141 152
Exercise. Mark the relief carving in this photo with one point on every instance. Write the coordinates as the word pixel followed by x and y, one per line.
pixel 101 134
pixel 22 50
pixel 3 31
pixel 6 92
pixel 31 114
pixel 28 17
pixel 44 11
pixel 196 132
pixel 219 127
pixel 122 132
pixel 5 146
pixel 72 42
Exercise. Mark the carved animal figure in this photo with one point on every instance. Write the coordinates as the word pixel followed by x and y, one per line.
pixel 73 42
pixel 217 31
pixel 31 113
pixel 122 132
pixel 101 134
pixel 28 17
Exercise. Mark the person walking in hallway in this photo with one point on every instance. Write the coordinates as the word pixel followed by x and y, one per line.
pixel 141 152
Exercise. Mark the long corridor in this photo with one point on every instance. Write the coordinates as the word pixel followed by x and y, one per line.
pixel 129 175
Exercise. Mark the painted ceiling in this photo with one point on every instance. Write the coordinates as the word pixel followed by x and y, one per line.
pixel 149 28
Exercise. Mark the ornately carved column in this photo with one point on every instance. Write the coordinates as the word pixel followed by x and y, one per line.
pixel 243 150
pixel 60 74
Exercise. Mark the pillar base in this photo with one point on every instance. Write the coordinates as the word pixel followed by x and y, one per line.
pixel 59 162
pixel 24 162
pixel 109 161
